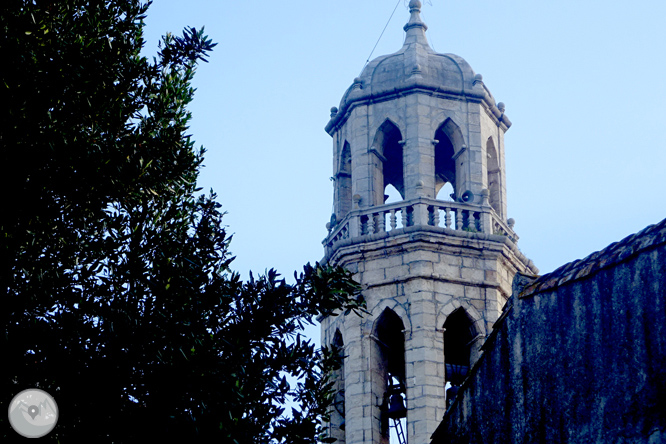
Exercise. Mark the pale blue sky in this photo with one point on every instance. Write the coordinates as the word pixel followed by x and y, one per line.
pixel 583 83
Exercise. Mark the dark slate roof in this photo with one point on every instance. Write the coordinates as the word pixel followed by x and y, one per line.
pixel 648 238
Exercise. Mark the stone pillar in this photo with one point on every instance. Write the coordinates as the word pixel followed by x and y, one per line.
pixel 356 384
pixel 424 356
pixel 486 219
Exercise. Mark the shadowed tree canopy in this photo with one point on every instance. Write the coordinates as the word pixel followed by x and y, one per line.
pixel 118 297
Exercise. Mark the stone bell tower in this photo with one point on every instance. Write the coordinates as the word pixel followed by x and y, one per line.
pixel 435 270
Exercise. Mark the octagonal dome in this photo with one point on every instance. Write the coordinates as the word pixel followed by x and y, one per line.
pixel 416 66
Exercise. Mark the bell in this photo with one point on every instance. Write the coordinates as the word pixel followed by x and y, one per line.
pixel 396 408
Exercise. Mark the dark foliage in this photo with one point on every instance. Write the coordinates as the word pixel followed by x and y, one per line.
pixel 117 294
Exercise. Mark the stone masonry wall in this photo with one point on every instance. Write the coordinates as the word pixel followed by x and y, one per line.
pixel 578 356
pixel 422 277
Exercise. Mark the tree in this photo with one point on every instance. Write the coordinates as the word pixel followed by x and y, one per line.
pixel 119 296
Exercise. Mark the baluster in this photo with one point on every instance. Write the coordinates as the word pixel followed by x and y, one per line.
pixel 435 216
pixel 459 219
pixel 371 223
pixel 471 222
pixel 404 217
pixel 481 227
pixel 447 218
pixel 394 221
pixel 381 226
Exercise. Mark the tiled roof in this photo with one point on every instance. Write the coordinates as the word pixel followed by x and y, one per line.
pixel 650 237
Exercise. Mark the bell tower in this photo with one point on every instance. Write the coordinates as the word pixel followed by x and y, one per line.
pixel 435 266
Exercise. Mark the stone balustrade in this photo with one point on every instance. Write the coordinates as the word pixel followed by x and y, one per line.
pixel 395 217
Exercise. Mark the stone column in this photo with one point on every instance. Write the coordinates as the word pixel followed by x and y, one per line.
pixel 356 384
pixel 424 356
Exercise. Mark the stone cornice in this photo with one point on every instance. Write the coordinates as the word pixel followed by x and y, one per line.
pixel 474 95
pixel 434 239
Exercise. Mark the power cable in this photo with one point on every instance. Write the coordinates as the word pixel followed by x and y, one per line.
pixel 380 35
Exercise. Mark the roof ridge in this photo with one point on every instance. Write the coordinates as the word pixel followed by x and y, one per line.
pixel 649 237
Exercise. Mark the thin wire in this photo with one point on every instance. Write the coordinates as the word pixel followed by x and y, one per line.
pixel 430 41
pixel 425 19
pixel 380 35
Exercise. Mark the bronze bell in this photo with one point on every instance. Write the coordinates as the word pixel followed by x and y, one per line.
pixel 396 408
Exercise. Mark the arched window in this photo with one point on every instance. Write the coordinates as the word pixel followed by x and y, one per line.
pixel 388 165
pixel 445 165
pixel 446 192
pixel 391 340
pixel 449 142
pixel 337 421
pixel 344 182
pixel 392 195
pixel 493 171
pixel 459 331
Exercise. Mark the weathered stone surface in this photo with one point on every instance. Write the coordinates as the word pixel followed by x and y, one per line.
pixel 578 356
pixel 416 120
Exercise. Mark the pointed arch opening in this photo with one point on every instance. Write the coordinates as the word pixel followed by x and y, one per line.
pixel 459 332
pixel 446 192
pixel 493 177
pixel 389 334
pixel 344 182
pixel 388 163
pixel 391 194
pixel 338 420
pixel 449 143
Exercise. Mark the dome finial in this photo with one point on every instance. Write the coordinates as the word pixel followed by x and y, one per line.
pixel 415 28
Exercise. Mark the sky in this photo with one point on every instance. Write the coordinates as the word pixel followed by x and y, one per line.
pixel 583 83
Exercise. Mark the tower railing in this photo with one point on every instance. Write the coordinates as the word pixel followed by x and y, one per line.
pixel 394 218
